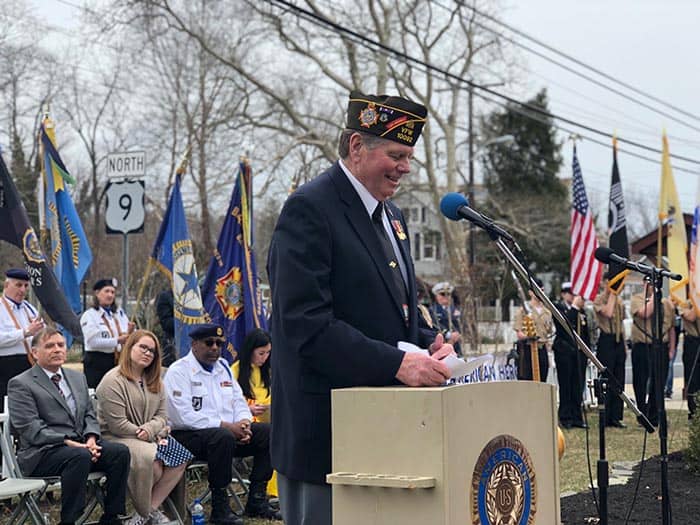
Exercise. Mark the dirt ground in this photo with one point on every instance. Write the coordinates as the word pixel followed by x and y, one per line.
pixel 684 486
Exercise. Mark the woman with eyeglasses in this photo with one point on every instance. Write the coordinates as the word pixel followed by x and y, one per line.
pixel 131 410
pixel 105 329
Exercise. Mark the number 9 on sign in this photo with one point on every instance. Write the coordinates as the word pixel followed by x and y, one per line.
pixel 125 211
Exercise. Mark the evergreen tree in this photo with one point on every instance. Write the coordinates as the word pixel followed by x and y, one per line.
pixel 524 194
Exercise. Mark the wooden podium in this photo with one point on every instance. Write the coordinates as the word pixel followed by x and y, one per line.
pixel 483 453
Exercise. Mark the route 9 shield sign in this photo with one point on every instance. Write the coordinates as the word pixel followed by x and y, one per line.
pixel 125 206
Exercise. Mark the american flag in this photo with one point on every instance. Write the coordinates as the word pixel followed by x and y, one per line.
pixel 586 270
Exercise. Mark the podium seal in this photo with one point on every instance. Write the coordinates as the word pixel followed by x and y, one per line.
pixel 503 490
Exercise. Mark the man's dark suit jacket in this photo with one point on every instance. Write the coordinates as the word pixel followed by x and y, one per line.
pixel 40 414
pixel 335 319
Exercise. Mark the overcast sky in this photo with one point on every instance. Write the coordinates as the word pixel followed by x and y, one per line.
pixel 649 44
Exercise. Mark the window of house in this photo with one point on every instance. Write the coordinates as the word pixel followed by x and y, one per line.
pixel 416 247
pixel 431 245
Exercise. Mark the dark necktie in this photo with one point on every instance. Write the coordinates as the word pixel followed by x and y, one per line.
pixel 390 256
pixel 56 378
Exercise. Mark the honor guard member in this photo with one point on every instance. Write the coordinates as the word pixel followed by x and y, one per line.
pixel 570 361
pixel 19 322
pixel 644 371
pixel 609 314
pixel 105 329
pixel 210 416
pixel 544 329
pixel 446 315
pixel 691 349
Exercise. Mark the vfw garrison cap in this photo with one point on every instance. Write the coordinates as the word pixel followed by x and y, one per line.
pixel 392 118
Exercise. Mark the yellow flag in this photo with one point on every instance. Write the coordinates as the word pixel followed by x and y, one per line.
pixel 55 172
pixel 671 215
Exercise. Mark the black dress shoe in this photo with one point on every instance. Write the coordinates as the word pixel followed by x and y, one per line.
pixel 617 424
pixel 579 425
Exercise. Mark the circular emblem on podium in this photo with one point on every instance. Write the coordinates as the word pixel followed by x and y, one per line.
pixel 503 490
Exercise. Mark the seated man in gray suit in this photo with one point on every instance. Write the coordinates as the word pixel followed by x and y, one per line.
pixel 59 435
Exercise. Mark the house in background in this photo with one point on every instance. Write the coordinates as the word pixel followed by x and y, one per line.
pixel 427 242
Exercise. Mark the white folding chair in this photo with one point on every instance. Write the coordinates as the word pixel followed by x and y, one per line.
pixel 21 488
pixel 95 490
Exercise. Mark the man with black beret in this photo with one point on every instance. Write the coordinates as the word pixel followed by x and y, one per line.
pixel 210 416
pixel 343 296
pixel 19 322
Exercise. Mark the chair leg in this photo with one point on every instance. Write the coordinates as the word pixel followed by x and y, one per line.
pixel 172 509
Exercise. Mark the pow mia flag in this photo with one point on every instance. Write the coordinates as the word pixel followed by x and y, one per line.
pixel 617 226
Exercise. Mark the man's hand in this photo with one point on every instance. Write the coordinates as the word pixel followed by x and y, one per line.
pixel 142 434
pixel 422 370
pixel 241 430
pixel 90 444
pixel 439 349
pixel 34 327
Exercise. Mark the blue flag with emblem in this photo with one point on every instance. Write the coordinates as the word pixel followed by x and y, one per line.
pixel 230 292
pixel 173 255
pixel 70 253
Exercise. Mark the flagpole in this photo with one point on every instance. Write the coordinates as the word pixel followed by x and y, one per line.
pixel 181 167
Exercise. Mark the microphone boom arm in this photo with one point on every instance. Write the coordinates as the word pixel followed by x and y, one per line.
pixel 615 386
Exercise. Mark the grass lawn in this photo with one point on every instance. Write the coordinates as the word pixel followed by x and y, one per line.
pixel 622 444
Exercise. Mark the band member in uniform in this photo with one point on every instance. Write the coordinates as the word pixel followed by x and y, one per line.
pixel 446 315
pixel 691 348
pixel 544 329
pixel 19 322
pixel 570 361
pixel 644 370
pixel 105 329
pixel 609 313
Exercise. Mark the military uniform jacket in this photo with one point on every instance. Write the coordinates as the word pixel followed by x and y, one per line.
pixel 642 328
pixel 41 415
pixel 198 399
pixel 14 318
pixel 335 319
pixel 101 329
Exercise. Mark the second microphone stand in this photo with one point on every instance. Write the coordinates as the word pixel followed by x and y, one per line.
pixel 609 385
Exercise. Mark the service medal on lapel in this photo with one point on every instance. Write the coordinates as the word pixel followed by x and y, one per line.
pixel 398 228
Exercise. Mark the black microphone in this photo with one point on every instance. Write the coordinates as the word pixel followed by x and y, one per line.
pixel 455 207
pixel 608 256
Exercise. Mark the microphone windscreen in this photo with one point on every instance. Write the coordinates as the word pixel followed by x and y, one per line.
pixel 450 204
pixel 603 253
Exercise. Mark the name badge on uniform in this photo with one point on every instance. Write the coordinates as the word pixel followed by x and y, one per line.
pixel 196 403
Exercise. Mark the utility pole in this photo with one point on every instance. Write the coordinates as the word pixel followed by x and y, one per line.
pixel 471 171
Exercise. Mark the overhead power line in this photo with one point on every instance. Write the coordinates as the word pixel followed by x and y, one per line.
pixel 575 61
pixel 370 43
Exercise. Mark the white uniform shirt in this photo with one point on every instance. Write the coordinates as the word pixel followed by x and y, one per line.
pixel 198 399
pixel 12 338
pixel 101 329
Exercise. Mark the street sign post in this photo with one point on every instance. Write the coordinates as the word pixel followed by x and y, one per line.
pixel 125 214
